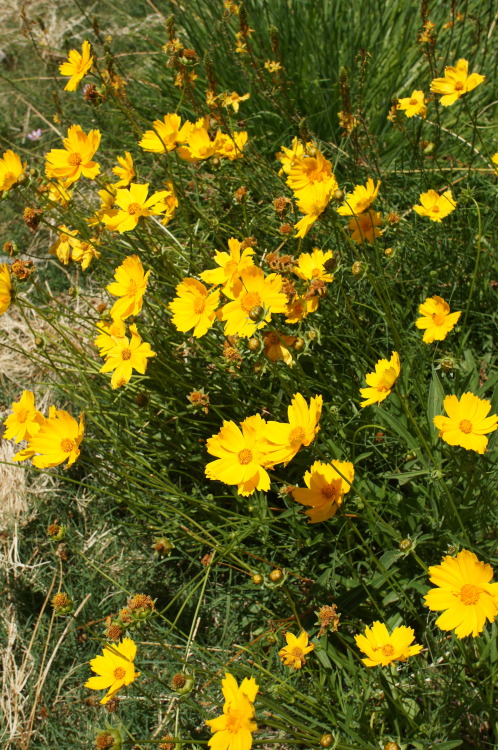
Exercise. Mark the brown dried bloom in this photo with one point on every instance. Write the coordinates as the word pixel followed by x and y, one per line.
pixel 167 742
pixel 286 229
pixel 140 601
pixel 199 400
pixel 10 248
pixel 206 560
pixel 112 705
pixel 60 600
pixel 281 204
pixel 328 619
pixel 289 288
pixel 393 218
pixel 114 632
pixel 125 616
pixel 241 194
pixel 104 740
pixel 231 353
pixel 22 269
pixel 317 288
pixel 248 242
pixel 32 217
pixel 90 93
pixel 53 529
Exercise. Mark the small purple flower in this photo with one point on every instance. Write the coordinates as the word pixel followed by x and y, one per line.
pixel 35 135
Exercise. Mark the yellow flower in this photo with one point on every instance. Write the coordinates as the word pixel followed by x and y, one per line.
pixel 311 266
pixel 84 253
pixel 133 204
pixel 11 168
pixel 257 298
pixel 194 307
pixel 272 66
pixel 465 593
pixel 306 171
pixel 326 489
pixel 233 730
pixel 381 381
pixel 198 143
pixel 435 206
pixel 57 440
pixel 25 419
pixel 364 228
pixel 110 330
pixel 299 308
pixel 108 199
pixel 114 668
pixel 5 288
pixel 360 199
pixel 130 285
pixel 230 266
pixel 125 171
pixel 126 356
pixel 494 159
pixel 240 456
pixel 414 104
pixel 58 193
pixel 228 147
pixel 77 66
pixel 168 204
pixel 467 423
pixel 286 438
pixel 288 156
pixel 64 244
pixel 233 100
pixel 293 655
pixel 166 134
pixel 436 319
pixel 383 648
pixel 75 159
pixel 456 82
pixel 276 346
pixel 312 202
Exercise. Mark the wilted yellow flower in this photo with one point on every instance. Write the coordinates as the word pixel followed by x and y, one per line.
pixel 77 66
pixel 312 202
pixel 75 159
pixel 125 356
pixel 299 307
pixel 383 648
pixel 230 266
pixel 194 307
pixel 57 440
pixel 436 319
pixel 456 82
pixel 133 204
pixel 360 199
pixel 276 346
pixel 465 593
pixel 293 655
pixel 233 100
pixel 257 298
pixel 286 438
pixel 364 228
pixel 25 419
pixel 168 204
pixel 313 265
pixel 414 104
pixel 381 382
pixel 467 423
pixel 228 147
pixel 166 134
pixel 125 170
pixel 326 489
pixel 114 668
pixel 233 730
pixel 11 168
pixel 130 285
pixel 64 244
pixel 435 206
pixel 84 252
pixel 5 288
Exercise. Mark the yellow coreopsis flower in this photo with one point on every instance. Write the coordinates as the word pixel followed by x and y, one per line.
pixel 194 307
pixel 125 170
pixel 414 104
pixel 327 484
pixel 130 285
pixel 381 382
pixel 58 193
pixel 75 159
pixel 168 204
pixel 132 204
pixel 360 199
pixel 11 168
pixel 114 668
pixel 5 288
pixel 166 135
pixel 230 266
pixel 467 423
pixel 240 456
pixel 312 265
pixel 84 253
pixel 436 320
pixel 364 228
pixel 435 206
pixel 108 199
pixel 64 244
pixel 299 308
pixel 25 420
pixel 494 159
pixel 57 440
pixel 456 82
pixel 198 144
pixel 228 147
pixel 77 66
pixel 272 66
pixel 465 593
pixel 109 331
pixel 257 298
pixel 125 356
pixel 286 438
pixel 233 100
pixel 288 156
pixel 293 655
pixel 305 171
pixel 383 648
pixel 276 346
pixel 233 730
pixel 312 202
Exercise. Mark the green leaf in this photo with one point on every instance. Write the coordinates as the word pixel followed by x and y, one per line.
pixel 434 403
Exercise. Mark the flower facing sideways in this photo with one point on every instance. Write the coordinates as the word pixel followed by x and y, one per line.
pixel 233 730
pixel 326 486
pixel 77 66
pixel 114 668
pixel 276 346
pixel 286 438
pixel 64 244
pixel 68 164
pixel 413 105
pixel 25 419
pixel 465 593
pixel 194 307
pixel 467 423
pixel 381 382
pixel 57 440
pixel 435 206
pixel 11 168
pixel 166 135
pixel 365 227
pixel 132 204
pixel 456 82
pixel 383 648
pixel 5 288
pixel 436 320
pixel 293 655
pixel 129 285
pixel 125 356
pixel 125 170
pixel 360 199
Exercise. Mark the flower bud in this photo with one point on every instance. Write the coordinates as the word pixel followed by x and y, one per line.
pixel 326 740
pixel 257 578
pixel 298 344
pixel 254 344
pixel 163 546
pixel 405 545
pixel 391 746
pixel 182 683
pixel 276 575
pixel 22 179
pixel 338 196
pixel 271 639
pixel 358 268
pixel 388 252
pixel 256 313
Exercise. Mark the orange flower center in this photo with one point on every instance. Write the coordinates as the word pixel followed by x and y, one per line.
pixel 132 287
pixel 134 208
pixel 126 354
pixel 250 300
pixel 199 305
pixel 465 426
pixel 22 415
pixel 438 319
pixel 315 273
pixel 245 456
pixel 63 238
pixel 9 177
pixel 298 653
pixel 234 722
pixel 67 445
pixel 75 159
pixel 328 491
pixel 435 209
pixel 297 435
pixel 119 673
pixel 413 102
pixel 459 86
pixel 387 650
pixel 469 594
